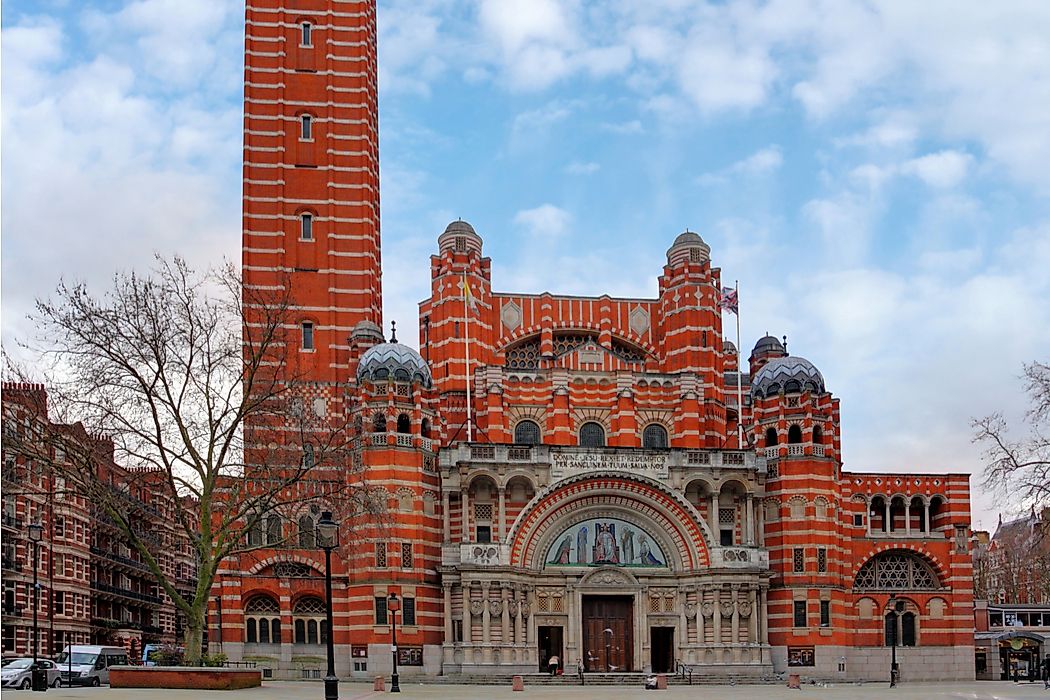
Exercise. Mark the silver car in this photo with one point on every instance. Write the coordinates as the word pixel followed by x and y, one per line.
pixel 18 673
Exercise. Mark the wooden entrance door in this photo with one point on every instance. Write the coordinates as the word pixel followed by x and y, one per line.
pixel 608 633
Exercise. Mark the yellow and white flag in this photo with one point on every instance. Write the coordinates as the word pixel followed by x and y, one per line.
pixel 468 296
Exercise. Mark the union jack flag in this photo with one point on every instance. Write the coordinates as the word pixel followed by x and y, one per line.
pixel 728 300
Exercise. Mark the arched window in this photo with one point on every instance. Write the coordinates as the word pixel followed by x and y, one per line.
pixel 255 533
pixel 306 226
pixel 794 434
pixel 308 456
pixel 379 423
pixel 307 532
pixel 891 629
pixel 908 629
pixel 896 570
pixel 404 423
pixel 527 432
pixel 262 621
pixel 654 437
pixel 309 617
pixel 592 435
pixel 797 507
pixel 771 437
pixel 273 528
pixel 306 34
pixel 307 132
pixel 901 628
pixel 818 435
pixel 424 428
pixel 308 335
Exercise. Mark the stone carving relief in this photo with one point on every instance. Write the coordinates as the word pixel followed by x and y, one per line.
pixel 690 610
pixel 726 608
pixel 484 556
pixel 476 607
pixel 495 607
pixel 708 609
pixel 745 608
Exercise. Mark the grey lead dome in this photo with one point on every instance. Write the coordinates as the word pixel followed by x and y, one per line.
pixel 393 361
pixel 789 374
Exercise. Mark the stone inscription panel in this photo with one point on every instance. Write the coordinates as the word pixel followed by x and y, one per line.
pixel 565 464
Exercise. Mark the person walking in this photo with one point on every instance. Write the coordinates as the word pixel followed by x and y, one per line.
pixel 553 663
pixel 1046 672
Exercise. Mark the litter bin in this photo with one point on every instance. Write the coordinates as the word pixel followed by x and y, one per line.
pixel 40 679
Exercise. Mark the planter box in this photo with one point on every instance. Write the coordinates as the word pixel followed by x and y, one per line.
pixel 184 678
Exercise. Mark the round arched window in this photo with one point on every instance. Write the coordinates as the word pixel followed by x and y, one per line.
pixel 527 432
pixel 654 437
pixel 592 435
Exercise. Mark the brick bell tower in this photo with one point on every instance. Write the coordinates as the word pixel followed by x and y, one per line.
pixel 311 171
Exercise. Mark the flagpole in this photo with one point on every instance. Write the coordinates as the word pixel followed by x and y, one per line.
pixel 466 323
pixel 739 375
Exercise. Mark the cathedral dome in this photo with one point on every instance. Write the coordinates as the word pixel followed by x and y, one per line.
pixel 790 374
pixel 393 361
pixel 688 246
pixel 460 237
pixel 768 343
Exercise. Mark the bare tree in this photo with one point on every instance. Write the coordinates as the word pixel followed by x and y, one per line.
pixel 1020 468
pixel 191 383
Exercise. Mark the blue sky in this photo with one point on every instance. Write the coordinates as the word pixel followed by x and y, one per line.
pixel 875 174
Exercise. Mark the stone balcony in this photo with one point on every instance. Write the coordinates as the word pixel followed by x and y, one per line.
pixel 564 460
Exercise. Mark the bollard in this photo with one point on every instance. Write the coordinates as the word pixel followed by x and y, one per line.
pixel 518 683
pixel 661 682
pixel 377 684
pixel 795 681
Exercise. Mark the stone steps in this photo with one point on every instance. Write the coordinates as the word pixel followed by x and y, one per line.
pixel 598 679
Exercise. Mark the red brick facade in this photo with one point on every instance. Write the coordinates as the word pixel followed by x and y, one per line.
pixel 605 486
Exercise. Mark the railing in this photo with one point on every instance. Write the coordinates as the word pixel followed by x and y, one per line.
pixel 772 452
pixel 404 440
pixel 668 459
pixel 796 450
pixel 117 590
pixel 818 450
pixel 119 558
pixel 426 444
pixel 377 439
pixel 239 664
pixel 684 672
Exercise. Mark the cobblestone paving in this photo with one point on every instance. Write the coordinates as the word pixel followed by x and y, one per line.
pixel 989 690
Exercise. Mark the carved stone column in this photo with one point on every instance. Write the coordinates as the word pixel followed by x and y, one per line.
pixel 713 517
pixel 447 589
pixel 464 507
pixel 518 625
pixel 468 616
pixel 446 516
pixel 504 638
pixel 752 620
pixel 749 520
pixel 716 618
pixel 486 632
pixel 501 526
pixel 735 618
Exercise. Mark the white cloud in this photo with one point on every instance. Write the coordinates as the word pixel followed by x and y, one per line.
pixel 582 168
pixel 762 162
pixel 544 221
pixel 942 170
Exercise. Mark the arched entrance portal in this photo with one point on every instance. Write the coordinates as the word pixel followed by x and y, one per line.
pixel 1019 656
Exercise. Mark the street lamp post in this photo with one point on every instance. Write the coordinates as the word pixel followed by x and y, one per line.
pixel 896 607
pixel 393 604
pixel 36 533
pixel 328 530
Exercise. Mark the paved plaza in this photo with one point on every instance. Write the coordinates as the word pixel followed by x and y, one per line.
pixel 988 690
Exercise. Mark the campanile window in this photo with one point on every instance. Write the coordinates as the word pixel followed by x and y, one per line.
pixel 308 335
pixel 306 38
pixel 306 226
pixel 307 132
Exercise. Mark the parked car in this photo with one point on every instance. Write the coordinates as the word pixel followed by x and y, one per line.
pixel 18 673
pixel 89 664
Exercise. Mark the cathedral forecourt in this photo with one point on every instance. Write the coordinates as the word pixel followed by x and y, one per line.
pixel 563 474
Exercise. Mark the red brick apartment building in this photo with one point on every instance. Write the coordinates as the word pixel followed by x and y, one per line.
pixel 576 486
pixel 94 588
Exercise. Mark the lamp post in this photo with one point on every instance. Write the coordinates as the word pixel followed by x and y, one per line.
pixel 328 530
pixel 895 606
pixel 393 604
pixel 36 533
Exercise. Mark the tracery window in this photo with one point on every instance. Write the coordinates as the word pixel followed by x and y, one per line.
pixel 262 621
pixel 527 432
pixel 896 571
pixel 592 435
pixel 308 617
pixel 626 352
pixel 567 342
pixel 654 437
pixel 525 355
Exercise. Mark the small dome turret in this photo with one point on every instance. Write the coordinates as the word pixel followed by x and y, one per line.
pixel 460 237
pixel 789 374
pixel 688 247
pixel 393 361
